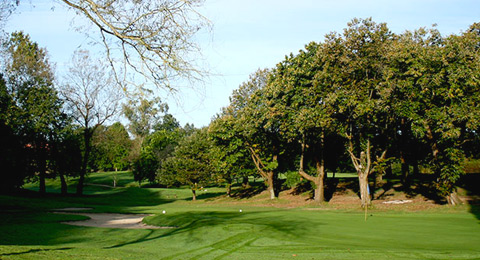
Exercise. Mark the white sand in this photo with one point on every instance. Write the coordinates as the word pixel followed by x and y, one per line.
pixel 111 220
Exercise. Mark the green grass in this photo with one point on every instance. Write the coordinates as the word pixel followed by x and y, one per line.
pixel 206 229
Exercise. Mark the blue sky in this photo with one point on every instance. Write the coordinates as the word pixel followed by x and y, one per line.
pixel 248 35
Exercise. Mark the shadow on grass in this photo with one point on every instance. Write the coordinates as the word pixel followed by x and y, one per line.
pixel 35 228
pixel 206 195
pixel 249 192
pixel 343 186
pixel 35 251
pixel 471 183
pixel 128 197
pixel 120 197
pixel 240 225
pixel 424 186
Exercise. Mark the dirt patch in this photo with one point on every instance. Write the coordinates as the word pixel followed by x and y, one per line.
pixel 111 220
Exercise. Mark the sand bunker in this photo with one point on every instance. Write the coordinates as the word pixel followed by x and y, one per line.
pixel 111 220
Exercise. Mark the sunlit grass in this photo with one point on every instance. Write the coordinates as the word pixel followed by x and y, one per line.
pixel 206 229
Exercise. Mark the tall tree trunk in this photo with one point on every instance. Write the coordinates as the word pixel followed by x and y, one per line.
pixel 271 184
pixel 63 183
pixel 42 173
pixel 81 180
pixel 320 190
pixel 405 169
pixel 319 180
pixel 194 195
pixel 87 134
pixel 269 175
pixel 229 186
pixel 363 165
pixel 245 183
pixel 453 199
pixel 320 165
pixel 364 189
pixel 194 191
pixel 403 150
pixel 229 189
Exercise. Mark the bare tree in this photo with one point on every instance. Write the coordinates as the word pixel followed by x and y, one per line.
pixel 6 9
pixel 91 97
pixel 150 38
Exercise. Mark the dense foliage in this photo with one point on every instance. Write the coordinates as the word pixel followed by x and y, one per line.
pixel 32 120
pixel 365 100
pixel 383 97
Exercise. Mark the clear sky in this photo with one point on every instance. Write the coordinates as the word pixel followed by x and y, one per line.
pixel 250 34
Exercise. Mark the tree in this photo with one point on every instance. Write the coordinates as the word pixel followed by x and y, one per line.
pixel 92 98
pixel 436 93
pixel 156 149
pixel 153 39
pixel 232 156
pixel 143 115
pixel 12 160
pixel 260 136
pixel 67 155
pixel 150 148
pixel 297 102
pixel 38 108
pixel 6 9
pixel 112 145
pixel 355 70
pixel 191 163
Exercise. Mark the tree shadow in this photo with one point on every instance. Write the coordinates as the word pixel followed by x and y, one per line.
pixel 121 197
pixel 36 250
pixel 385 187
pixel 31 227
pixel 248 192
pixel 471 183
pixel 190 222
pixel 346 185
pixel 426 189
pixel 331 188
pixel 206 196
pixel 422 185
pixel 26 218
pixel 303 187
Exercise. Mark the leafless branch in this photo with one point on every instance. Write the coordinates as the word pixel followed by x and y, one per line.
pixel 155 38
pixel 90 91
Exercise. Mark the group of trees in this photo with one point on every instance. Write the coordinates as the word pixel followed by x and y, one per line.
pixel 33 125
pixel 368 93
pixel 367 96
pixel 51 128
pixel 39 133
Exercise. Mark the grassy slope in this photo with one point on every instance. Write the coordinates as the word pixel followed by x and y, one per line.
pixel 215 229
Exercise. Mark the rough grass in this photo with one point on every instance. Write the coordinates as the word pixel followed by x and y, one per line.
pixel 214 228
